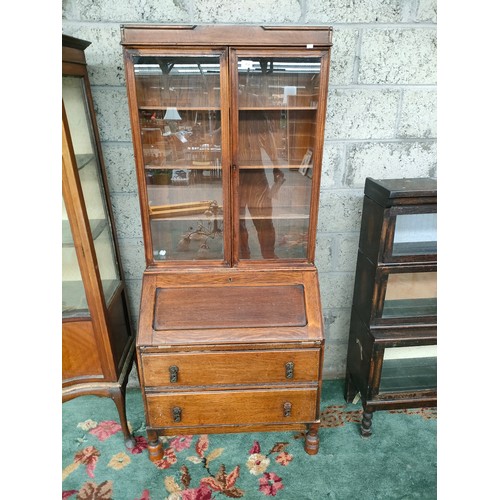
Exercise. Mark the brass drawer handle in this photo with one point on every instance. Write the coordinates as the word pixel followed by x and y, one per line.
pixel 289 369
pixel 287 409
pixel 177 413
pixel 174 374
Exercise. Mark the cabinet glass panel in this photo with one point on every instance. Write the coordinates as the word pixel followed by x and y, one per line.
pixel 415 234
pixel 410 295
pixel 82 139
pixel 74 301
pixel 409 369
pixel 277 118
pixel 180 123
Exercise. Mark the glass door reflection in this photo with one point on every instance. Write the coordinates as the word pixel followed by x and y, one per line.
pixel 409 369
pixel 410 295
pixel 277 120
pixel 89 171
pixel 180 120
pixel 415 234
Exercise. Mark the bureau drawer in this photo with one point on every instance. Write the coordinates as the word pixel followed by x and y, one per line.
pixel 230 367
pixel 232 407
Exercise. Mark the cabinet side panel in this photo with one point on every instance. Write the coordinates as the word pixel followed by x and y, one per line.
pixel 120 332
pixel 79 351
pixel 371 230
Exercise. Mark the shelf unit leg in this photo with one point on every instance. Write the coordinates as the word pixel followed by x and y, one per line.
pixel 366 423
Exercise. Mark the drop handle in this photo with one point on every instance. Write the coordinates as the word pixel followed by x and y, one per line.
pixel 289 369
pixel 174 374
pixel 287 409
pixel 176 414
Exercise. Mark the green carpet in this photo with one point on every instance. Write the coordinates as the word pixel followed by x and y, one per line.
pixel 397 462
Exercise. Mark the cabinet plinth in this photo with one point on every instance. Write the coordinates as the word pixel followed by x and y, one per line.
pixel 392 355
pixel 227 125
pixel 97 340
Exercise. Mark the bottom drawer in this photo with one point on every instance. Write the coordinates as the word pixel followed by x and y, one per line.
pixel 232 407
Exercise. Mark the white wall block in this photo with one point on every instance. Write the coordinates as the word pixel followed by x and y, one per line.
pixel 389 160
pixel 340 210
pixel 129 11
pixel 343 56
pixel 247 11
pixel 354 11
pixel 398 56
pixel 362 114
pixel 127 215
pixel 418 114
pixel 120 167
pixel 111 108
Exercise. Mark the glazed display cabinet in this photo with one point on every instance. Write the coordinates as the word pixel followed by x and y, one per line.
pixel 392 351
pixel 227 125
pixel 97 341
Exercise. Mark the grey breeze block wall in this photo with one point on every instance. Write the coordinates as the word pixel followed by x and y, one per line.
pixel 381 117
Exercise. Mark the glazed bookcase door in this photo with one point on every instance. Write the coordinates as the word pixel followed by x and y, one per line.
pixel 412 235
pixel 182 158
pixel 277 152
pixel 88 170
pixel 409 295
pixel 408 369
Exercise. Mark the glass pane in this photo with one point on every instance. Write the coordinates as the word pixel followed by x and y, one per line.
pixel 410 295
pixel 82 138
pixel 278 99
pixel 415 234
pixel 180 120
pixel 409 369
pixel 74 302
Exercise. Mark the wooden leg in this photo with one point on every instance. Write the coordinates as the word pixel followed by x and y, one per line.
pixel 118 396
pixel 311 445
pixel 349 389
pixel 155 446
pixel 366 423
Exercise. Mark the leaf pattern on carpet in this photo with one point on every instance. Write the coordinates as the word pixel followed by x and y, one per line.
pixel 338 415
pixel 219 482
pixel 192 467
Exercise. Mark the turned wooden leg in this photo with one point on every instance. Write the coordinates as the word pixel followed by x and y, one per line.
pixel 118 396
pixel 155 446
pixel 349 389
pixel 366 423
pixel 311 446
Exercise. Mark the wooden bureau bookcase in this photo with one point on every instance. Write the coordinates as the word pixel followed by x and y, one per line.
pixel 227 126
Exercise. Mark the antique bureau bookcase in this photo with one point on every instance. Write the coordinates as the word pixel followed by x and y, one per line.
pixel 392 352
pixel 97 341
pixel 227 125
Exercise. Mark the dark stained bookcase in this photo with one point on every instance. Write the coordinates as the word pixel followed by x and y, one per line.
pixel 392 351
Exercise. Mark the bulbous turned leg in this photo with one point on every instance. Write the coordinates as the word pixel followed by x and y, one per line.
pixel 118 396
pixel 366 423
pixel 155 446
pixel 311 446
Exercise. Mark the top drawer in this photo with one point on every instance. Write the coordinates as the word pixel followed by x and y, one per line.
pixel 231 367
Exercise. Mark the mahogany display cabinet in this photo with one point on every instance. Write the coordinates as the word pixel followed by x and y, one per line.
pixel 392 350
pixel 227 125
pixel 97 342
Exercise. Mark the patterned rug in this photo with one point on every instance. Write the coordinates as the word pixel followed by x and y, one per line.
pixel 398 461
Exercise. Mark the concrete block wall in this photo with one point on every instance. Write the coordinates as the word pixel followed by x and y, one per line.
pixel 381 118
